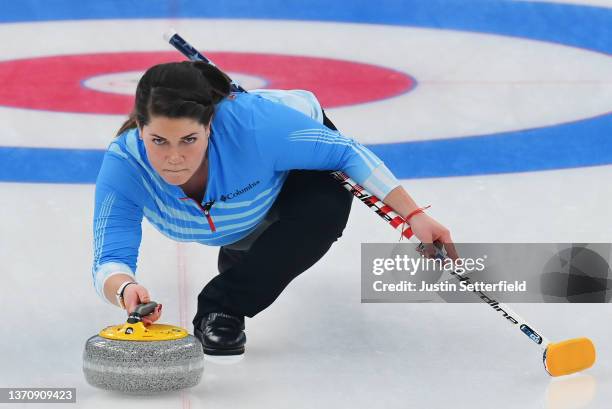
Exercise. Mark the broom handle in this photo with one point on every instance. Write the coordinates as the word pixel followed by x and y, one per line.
pixel 387 214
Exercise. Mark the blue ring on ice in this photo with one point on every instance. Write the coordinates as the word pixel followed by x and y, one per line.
pixel 576 144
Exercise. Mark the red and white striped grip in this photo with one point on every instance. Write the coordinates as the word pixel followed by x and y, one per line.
pixel 384 211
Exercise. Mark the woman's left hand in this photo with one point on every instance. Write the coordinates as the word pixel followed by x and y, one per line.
pixel 429 231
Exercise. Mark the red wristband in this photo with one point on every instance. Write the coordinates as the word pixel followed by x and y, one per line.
pixel 417 211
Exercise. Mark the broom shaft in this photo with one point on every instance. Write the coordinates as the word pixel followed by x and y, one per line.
pixel 506 312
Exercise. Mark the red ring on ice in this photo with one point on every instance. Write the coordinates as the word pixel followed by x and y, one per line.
pixel 55 83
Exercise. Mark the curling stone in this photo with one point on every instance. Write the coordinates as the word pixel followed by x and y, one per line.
pixel 136 359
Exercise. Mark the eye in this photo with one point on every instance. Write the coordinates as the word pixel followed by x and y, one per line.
pixel 158 141
pixel 190 139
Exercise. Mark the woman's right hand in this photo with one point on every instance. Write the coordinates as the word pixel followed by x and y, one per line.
pixel 136 294
pixel 429 231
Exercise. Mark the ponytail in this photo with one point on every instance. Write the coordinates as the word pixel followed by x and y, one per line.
pixel 129 123
pixel 220 83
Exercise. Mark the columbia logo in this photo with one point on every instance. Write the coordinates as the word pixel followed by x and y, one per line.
pixel 238 192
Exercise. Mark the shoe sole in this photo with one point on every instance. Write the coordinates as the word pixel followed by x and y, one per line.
pixel 219 352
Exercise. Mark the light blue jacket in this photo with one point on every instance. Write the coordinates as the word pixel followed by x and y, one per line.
pixel 254 143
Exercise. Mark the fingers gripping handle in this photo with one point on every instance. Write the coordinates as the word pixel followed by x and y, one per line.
pixel 141 311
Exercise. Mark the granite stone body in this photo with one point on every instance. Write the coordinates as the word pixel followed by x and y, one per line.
pixel 143 366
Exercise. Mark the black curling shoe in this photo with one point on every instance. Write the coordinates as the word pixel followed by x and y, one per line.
pixel 221 334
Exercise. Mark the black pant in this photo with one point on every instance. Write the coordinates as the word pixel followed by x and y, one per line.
pixel 308 216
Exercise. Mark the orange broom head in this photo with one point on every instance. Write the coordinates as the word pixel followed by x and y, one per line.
pixel 567 357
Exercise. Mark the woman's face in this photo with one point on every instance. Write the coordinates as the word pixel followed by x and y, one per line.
pixel 175 147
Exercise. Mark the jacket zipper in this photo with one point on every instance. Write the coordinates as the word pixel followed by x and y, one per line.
pixel 206 210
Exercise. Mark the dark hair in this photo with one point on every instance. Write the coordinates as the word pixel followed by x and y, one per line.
pixel 184 89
